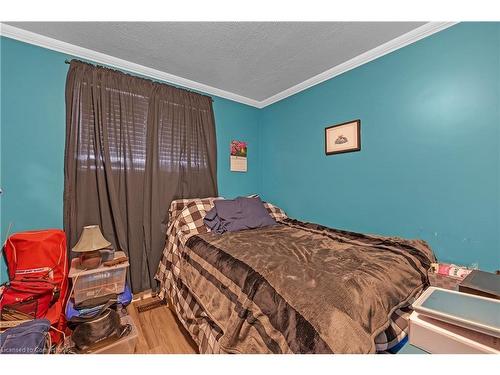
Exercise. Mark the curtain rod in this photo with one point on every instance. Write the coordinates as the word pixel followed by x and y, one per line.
pixel 181 88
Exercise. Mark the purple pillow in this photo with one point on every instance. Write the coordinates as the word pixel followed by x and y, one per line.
pixel 238 214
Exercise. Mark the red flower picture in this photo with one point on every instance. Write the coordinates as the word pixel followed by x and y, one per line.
pixel 239 148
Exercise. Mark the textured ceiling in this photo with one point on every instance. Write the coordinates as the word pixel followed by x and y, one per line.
pixel 252 59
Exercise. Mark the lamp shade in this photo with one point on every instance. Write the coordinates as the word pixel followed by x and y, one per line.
pixel 91 239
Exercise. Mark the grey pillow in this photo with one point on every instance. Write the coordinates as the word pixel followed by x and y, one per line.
pixel 238 214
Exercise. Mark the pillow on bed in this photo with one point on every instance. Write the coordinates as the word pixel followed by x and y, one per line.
pixel 238 214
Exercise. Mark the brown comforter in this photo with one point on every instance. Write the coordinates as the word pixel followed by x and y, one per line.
pixel 302 288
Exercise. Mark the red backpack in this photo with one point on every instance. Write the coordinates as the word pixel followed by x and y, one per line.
pixel 38 270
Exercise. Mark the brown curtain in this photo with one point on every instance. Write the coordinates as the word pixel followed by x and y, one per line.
pixel 132 146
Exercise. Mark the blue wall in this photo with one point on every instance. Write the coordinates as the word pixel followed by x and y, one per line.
pixel 429 165
pixel 430 162
pixel 33 136
pixel 237 122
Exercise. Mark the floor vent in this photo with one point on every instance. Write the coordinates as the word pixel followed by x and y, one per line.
pixel 149 304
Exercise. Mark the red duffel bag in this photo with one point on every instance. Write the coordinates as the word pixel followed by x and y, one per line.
pixel 30 296
pixel 38 270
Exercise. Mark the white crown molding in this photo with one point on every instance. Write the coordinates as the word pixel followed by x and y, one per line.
pixel 101 58
pixel 388 47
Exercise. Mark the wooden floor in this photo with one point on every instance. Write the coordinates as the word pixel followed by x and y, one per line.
pixel 160 332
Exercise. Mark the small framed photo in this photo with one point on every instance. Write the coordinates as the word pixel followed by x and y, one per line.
pixel 345 137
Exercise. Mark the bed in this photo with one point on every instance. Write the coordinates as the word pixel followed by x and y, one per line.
pixel 294 287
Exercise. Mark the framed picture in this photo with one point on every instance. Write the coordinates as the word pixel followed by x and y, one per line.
pixel 345 137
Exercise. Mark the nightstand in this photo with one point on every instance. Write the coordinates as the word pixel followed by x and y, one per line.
pixel 482 283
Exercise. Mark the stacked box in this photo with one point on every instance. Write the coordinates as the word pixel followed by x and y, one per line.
pixel 97 282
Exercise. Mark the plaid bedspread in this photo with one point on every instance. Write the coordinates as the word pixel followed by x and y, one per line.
pixel 186 221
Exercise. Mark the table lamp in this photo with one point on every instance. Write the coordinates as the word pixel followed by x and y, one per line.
pixel 88 246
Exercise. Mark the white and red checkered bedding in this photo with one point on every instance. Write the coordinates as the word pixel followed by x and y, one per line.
pixel 185 221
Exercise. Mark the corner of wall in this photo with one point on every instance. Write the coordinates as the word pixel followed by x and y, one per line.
pixel 260 123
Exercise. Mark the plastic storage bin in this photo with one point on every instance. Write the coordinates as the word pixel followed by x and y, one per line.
pixel 99 281
pixel 438 337
pixel 125 345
